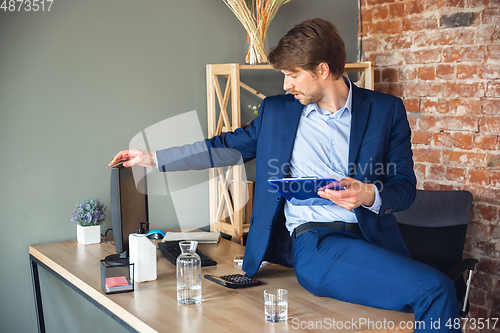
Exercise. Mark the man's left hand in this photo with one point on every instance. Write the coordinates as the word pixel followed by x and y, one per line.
pixel 356 194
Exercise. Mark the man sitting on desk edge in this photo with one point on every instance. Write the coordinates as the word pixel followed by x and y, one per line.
pixel 352 250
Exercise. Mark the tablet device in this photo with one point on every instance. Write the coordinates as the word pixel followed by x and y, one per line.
pixel 304 191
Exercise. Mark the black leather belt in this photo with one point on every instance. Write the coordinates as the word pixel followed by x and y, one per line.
pixel 350 227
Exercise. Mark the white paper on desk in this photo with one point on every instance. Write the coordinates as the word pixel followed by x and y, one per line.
pixel 200 237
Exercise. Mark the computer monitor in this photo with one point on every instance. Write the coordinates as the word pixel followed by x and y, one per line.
pixel 128 205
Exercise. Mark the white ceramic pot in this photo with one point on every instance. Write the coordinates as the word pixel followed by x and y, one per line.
pixel 88 235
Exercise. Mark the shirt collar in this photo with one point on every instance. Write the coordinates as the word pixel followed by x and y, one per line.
pixel 347 107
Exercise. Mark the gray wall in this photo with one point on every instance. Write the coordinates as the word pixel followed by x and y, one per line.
pixel 76 84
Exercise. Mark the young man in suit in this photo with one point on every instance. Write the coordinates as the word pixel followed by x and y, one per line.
pixel 351 250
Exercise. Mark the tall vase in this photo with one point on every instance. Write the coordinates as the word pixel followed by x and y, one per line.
pixel 256 51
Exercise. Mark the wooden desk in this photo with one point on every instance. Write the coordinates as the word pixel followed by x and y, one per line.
pixel 153 306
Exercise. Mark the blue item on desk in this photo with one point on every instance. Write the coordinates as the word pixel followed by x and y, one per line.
pixel 155 234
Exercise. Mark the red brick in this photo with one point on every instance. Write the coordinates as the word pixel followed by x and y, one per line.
pixel 425 89
pixel 495 179
pixel 412 104
pixel 377 75
pixel 484 193
pixel 423 56
pixel 443 106
pixel 442 139
pixel 479 176
pixel 465 90
pixel 377 2
pixel 436 172
pixel 466 106
pixel 485 142
pixel 433 105
pixel 422 138
pixel 491 16
pixel 388 59
pixel 489 125
pixel 493 89
pixel 445 72
pixel 380 12
pixel 464 36
pixel 489 71
pixel 419 170
pixel 457 174
pixel 384 27
pixel 428 122
pixel 463 140
pixel 487 34
pixel 390 75
pixel 463 53
pixel 412 119
pixel 454 123
pixel 408 73
pixel 427 73
pixel 464 158
pixel 370 44
pixel 476 3
pixel 465 72
pixel 486 212
pixel 491 106
pixel 426 155
pixel 489 266
pixel 431 186
pixel 397 42
pixel 416 23
pixel 451 3
pixel 366 14
pixel 493 161
pixel 414 7
pixel 393 89
pixel 493 52
pixel 397 10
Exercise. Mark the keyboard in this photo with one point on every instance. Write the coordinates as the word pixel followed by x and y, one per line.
pixel 233 281
pixel 171 251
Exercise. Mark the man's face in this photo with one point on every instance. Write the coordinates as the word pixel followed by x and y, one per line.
pixel 304 85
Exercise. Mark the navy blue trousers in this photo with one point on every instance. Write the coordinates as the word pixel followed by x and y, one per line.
pixel 346 267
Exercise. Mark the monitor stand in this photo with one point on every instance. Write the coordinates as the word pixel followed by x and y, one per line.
pixel 117 259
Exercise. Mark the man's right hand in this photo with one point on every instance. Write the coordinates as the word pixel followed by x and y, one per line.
pixel 132 157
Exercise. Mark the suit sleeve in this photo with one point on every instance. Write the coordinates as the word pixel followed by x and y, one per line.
pixel 231 148
pixel 399 189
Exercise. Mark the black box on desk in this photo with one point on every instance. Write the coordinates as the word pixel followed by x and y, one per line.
pixel 117 276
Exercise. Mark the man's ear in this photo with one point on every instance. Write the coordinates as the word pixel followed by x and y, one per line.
pixel 323 70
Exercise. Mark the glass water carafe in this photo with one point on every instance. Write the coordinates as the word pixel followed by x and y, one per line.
pixel 188 274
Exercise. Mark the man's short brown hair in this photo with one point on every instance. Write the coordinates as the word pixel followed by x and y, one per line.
pixel 307 45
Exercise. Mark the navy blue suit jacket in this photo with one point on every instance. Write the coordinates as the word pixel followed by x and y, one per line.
pixel 379 153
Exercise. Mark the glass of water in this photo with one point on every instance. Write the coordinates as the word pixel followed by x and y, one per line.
pixel 276 304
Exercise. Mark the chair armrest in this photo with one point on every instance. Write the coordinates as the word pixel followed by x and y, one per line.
pixel 461 267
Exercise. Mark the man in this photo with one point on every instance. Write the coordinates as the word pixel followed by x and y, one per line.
pixel 351 250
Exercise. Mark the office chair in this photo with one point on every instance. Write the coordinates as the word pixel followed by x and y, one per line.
pixel 434 229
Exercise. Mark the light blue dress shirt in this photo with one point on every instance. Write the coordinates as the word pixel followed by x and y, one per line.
pixel 321 148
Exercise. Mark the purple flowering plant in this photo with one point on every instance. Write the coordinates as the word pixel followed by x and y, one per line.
pixel 89 212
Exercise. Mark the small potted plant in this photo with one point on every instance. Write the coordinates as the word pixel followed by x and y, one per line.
pixel 89 215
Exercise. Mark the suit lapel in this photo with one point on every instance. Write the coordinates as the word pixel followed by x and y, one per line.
pixel 291 118
pixel 360 113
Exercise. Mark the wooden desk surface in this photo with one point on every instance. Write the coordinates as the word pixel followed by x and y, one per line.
pixel 153 306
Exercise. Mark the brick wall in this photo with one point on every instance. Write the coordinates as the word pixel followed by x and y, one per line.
pixel 443 58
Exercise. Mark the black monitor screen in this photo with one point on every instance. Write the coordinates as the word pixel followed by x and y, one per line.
pixel 129 204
